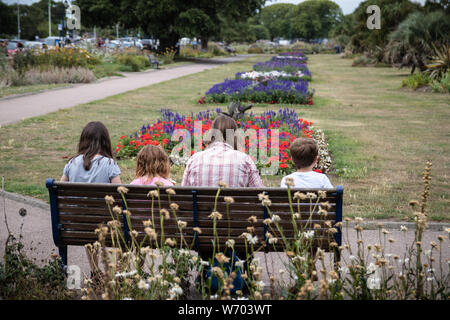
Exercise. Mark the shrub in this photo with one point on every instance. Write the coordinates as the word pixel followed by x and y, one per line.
pixel 216 50
pixel 167 56
pixel 240 48
pixel 364 61
pixel 22 279
pixel 136 62
pixel 67 57
pixel 52 75
pixel 416 81
pixel 443 85
pixel 256 50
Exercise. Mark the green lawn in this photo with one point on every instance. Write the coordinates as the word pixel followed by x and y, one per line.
pixel 8 91
pixel 380 135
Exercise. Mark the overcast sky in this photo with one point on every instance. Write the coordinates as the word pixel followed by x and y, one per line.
pixel 348 6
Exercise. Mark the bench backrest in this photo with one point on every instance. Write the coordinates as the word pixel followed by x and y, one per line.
pixel 77 209
pixel 152 58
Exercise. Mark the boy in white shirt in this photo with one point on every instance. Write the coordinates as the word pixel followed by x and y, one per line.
pixel 305 154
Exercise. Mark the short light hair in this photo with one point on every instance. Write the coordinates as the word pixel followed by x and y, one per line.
pixel 303 152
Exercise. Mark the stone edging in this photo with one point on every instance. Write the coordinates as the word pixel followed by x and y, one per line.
pixel 395 225
pixel 25 200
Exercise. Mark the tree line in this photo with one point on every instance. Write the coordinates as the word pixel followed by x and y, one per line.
pixel 224 20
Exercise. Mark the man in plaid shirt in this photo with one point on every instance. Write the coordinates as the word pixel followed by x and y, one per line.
pixel 221 163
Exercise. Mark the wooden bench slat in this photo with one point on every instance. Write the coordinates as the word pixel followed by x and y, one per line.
pixel 79 208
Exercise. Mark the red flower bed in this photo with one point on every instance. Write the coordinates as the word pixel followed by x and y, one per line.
pixel 286 121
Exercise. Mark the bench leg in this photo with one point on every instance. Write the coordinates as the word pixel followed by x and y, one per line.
pixel 63 254
pixel 337 258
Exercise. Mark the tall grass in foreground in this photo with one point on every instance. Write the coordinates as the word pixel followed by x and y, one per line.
pixel 157 267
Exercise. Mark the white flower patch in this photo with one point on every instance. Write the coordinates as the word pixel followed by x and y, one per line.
pixel 269 75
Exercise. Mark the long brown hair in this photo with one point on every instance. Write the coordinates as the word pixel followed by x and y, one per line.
pixel 94 140
pixel 152 161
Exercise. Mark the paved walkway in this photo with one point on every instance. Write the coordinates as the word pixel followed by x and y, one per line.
pixel 16 109
pixel 37 235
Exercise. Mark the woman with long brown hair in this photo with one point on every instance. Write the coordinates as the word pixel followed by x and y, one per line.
pixel 94 162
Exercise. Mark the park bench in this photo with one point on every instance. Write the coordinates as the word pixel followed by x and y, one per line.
pixel 77 209
pixel 153 61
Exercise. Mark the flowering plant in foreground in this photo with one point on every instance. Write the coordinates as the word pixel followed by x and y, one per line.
pixel 271 91
pixel 273 75
pixel 289 124
pixel 151 266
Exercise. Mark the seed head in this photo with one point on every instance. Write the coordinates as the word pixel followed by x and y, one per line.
pixel 165 213
pixel 170 191
pixel 109 200
pixel 122 190
pixel 289 182
pixel 215 215
pixel 228 200
pixel 117 210
pixel 322 194
pixel 299 196
pixel 222 184
pixel 182 224
pixel 153 194
pixel 198 230
pixel 170 242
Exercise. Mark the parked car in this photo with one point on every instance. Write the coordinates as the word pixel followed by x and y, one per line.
pixel 33 45
pixel 113 44
pixel 14 46
pixel 129 42
pixel 52 41
pixel 185 41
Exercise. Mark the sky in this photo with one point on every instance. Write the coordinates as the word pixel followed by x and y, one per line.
pixel 348 6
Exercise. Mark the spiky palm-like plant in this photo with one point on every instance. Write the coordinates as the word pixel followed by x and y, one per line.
pixel 419 39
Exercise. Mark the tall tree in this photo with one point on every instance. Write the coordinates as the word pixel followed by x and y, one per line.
pixel 277 19
pixel 100 13
pixel 434 5
pixel 316 18
pixel 8 20
pixel 392 13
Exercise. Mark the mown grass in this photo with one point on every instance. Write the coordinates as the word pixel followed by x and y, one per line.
pixel 115 69
pixel 8 91
pixel 380 135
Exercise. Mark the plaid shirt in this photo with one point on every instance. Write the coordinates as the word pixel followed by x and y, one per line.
pixel 220 162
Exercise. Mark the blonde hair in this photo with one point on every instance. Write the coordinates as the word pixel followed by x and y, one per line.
pixel 152 161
